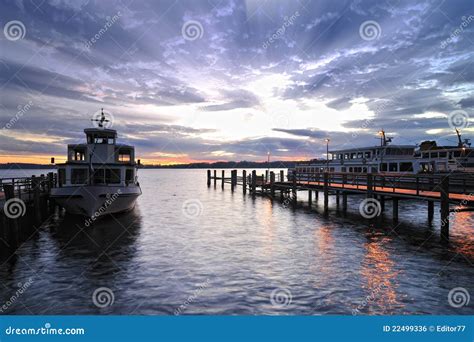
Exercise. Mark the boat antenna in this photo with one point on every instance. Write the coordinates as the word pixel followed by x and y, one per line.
pixel 384 140
pixel 100 122
pixel 460 143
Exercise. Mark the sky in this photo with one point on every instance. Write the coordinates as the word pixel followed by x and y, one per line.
pixel 218 80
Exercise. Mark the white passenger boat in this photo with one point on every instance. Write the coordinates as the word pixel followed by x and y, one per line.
pixel 99 177
pixel 395 159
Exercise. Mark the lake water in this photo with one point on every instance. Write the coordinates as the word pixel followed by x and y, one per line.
pixel 227 253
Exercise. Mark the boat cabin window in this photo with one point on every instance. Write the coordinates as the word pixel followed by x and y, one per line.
pixel 374 169
pixel 383 167
pixel 442 154
pixel 78 176
pixel 359 155
pixel 343 169
pixel 457 154
pixel 100 139
pixel 434 155
pixel 112 176
pixel 353 155
pixel 367 155
pixel 79 155
pixel 98 177
pixel 129 176
pixel 426 155
pixel 406 167
pixel 124 156
pixel 393 167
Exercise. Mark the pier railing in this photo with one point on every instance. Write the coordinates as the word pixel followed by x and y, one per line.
pixel 458 183
pixel 22 187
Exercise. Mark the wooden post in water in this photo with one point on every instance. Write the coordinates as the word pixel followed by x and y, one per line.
pixel 223 176
pixel 282 176
pixel 293 190
pixel 337 198
pixel 244 181
pixel 215 178
pixel 254 182
pixel 310 197
pixel 344 193
pixel 50 186
pixel 266 176
pixel 444 192
pixel 35 184
pixel 208 178
pixel 370 183
pixel 326 192
pixel 395 209
pixel 430 211
pixel 272 184
pixel 12 224
pixel 382 203
pixel 316 195
pixel 233 179
pixel 430 203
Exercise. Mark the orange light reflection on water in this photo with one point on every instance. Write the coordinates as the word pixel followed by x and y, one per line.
pixel 377 269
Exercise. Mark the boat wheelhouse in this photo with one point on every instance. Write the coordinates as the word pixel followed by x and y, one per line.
pixel 95 172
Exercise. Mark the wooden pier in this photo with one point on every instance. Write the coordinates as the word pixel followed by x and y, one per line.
pixel 24 205
pixel 454 192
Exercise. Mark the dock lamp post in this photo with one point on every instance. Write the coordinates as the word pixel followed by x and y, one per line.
pixel 268 161
pixel 327 140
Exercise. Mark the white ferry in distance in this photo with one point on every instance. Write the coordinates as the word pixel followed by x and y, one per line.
pixel 100 176
pixel 396 159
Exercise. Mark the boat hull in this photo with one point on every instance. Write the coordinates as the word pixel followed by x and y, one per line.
pixel 96 200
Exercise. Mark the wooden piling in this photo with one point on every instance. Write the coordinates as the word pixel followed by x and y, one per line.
pixel 310 197
pixel 370 184
pixel 223 179
pixel 395 209
pixel 244 181
pixel 208 178
pixel 430 211
pixel 337 198
pixel 293 190
pixel 35 184
pixel 444 192
pixel 254 182
pixel 272 184
pixel 326 192
pixel 233 179
pixel 282 176
pixel 215 178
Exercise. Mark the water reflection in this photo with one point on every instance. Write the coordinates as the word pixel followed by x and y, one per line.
pixel 380 276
